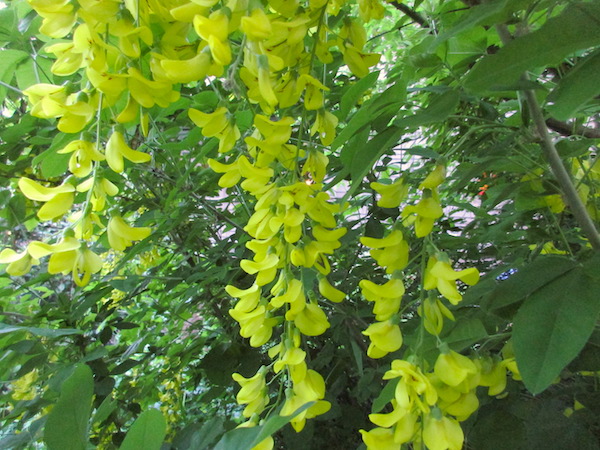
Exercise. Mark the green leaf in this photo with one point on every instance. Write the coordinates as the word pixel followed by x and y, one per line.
pixel 364 157
pixel 67 424
pixel 246 438
pixel 438 110
pixel 147 432
pixel 465 333
pixel 10 59
pixel 353 94
pixel 475 16
pixel 108 405
pixel 527 280
pixel 576 89
pixel 553 325
pixel 385 396
pixel 558 38
pixel 45 332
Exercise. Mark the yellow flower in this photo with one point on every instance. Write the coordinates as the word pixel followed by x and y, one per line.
pixel 390 252
pixel 439 274
pixel 435 178
pixel 385 336
pixel 81 262
pixel 58 200
pixel 18 263
pixel 359 62
pixel 187 70
pixel 313 97
pixel 427 210
pixel 121 235
pixel 433 312
pixel 265 268
pixel 387 297
pixel 330 292
pixel 59 16
pixel 256 26
pixel 325 125
pixel 311 321
pixel 83 155
pixel 391 194
pixel 453 368
pixel 379 439
pixel 248 298
pixel 253 392
pixel 101 188
pixel 493 375
pixel 442 434
pixel 117 149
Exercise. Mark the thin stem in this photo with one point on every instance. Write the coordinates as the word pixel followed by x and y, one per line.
pixel 553 158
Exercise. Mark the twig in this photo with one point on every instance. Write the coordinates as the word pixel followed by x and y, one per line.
pixel 568 129
pixel 553 158
pixel 418 18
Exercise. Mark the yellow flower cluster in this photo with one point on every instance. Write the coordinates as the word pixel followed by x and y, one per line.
pixel 285 207
pixel 427 407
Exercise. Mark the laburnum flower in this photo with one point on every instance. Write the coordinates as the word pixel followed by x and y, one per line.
pixel 83 154
pixel 379 439
pixel 130 36
pixel 391 194
pixel 67 61
pixel 49 101
pixel 81 262
pixel 390 252
pixel 370 9
pixel 217 124
pixel 412 386
pixel 441 432
pixel 385 336
pixel 433 312
pixel 100 189
pixel 213 28
pixel 58 200
pixel 324 126
pixel 265 269
pixel 330 292
pixel 121 235
pixel 387 297
pixel 293 295
pixel 313 97
pixel 493 374
pixel 354 32
pixel 310 389
pixel 256 26
pixel 59 16
pixel 427 211
pixel 18 263
pixel 453 368
pixel 439 274
pixel 187 70
pixel 403 421
pixel 359 62
pixel 435 178
pixel 147 92
pixel 253 392
pixel 254 324
pixel 117 150
pixel 311 321
pixel 248 298
pixel 288 356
